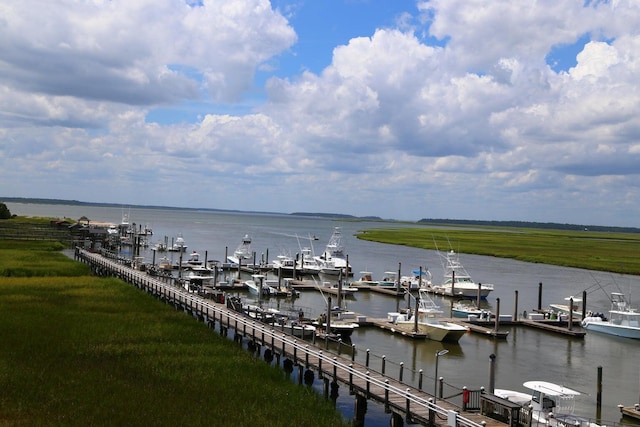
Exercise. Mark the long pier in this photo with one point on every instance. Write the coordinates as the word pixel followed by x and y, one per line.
pixel 403 401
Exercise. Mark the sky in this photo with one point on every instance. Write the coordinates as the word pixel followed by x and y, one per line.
pixel 460 109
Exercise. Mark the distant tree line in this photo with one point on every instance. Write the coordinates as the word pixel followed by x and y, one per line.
pixel 524 224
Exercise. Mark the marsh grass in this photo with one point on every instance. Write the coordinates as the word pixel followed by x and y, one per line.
pixel 82 350
pixel 615 252
pixel 29 258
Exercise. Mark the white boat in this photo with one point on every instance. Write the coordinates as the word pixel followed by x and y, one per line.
pixel 294 326
pixel 333 260
pixel 284 264
pixel 346 288
pixel 573 305
pixel 193 261
pixel 243 253
pixel 418 279
pixel 280 288
pixel 366 279
pixel 307 264
pixel 389 280
pixel 429 320
pixel 547 404
pixel 624 321
pixel 198 278
pixel 257 286
pixel 466 308
pixel 179 245
pixel 457 282
pixel 341 324
pixel 159 247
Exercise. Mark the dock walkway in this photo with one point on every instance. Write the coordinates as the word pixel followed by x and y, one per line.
pixel 403 401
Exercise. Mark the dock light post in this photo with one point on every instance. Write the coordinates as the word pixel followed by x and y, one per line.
pixel 435 388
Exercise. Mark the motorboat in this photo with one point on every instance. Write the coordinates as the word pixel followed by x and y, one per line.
pixel 257 286
pixel 294 325
pixel 345 288
pixel 366 279
pixel 467 308
pixel 306 264
pixel 389 280
pixel 295 328
pixel 193 261
pixel 418 279
pixel 284 264
pixel 341 324
pixel 547 404
pixel 242 254
pixel 178 245
pixel 280 288
pixel 429 320
pixel 623 321
pixel 457 282
pixel 333 260
pixel 573 305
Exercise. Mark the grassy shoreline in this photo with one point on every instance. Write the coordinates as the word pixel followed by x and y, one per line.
pixel 84 350
pixel 613 252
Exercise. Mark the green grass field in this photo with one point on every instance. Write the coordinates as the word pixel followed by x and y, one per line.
pixel 615 252
pixel 83 350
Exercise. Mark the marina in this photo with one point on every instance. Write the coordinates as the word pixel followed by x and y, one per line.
pixel 516 285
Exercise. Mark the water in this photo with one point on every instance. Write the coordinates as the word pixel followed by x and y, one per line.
pixel 526 355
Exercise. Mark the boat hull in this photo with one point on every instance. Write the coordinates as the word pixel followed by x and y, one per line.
pixel 611 329
pixel 444 333
pixel 461 292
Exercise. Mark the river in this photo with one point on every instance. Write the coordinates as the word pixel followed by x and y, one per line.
pixel 525 355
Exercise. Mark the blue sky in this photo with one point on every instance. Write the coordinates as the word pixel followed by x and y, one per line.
pixel 401 109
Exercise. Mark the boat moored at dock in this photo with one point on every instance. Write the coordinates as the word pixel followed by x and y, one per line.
pixel 623 321
pixel 548 404
pixel 457 282
pixel 429 320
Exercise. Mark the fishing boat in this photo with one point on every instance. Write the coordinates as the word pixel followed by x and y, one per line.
pixel 307 264
pixel 466 308
pixel 429 320
pixel 623 321
pixel 333 260
pixel 242 254
pixel 284 265
pixel 457 282
pixel 547 404
pixel 179 245
pixel 193 261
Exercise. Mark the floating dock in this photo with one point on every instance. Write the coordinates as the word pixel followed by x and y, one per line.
pixel 631 411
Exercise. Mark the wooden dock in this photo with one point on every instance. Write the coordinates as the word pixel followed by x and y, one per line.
pixel 487 328
pixel 402 400
pixel 554 326
pixel 631 411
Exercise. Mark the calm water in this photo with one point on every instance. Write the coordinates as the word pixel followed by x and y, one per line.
pixel 525 355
